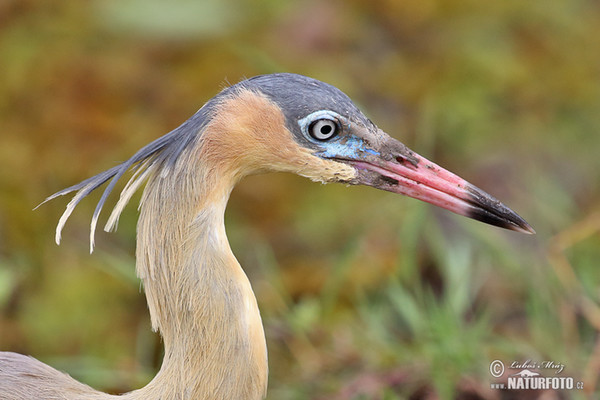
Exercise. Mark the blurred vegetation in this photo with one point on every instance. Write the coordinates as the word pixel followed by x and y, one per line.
pixel 364 295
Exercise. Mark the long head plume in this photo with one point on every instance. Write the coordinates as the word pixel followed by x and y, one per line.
pixel 158 156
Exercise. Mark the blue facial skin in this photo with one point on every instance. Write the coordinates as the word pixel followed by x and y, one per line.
pixel 344 146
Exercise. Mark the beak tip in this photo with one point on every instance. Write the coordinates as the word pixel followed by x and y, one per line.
pixel 526 228
pixel 514 222
pixel 500 216
pixel 489 210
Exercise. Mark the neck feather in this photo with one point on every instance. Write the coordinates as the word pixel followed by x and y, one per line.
pixel 199 297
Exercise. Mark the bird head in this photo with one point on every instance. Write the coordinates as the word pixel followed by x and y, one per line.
pixel 333 141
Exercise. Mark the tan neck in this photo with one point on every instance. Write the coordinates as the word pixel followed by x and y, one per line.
pixel 199 297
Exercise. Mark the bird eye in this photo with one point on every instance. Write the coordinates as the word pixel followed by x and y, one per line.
pixel 323 129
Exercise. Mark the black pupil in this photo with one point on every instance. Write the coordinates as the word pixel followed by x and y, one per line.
pixel 326 129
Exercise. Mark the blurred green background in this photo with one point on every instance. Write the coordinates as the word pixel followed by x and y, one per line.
pixel 364 294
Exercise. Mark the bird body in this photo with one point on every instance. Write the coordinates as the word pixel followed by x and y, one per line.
pixel 199 298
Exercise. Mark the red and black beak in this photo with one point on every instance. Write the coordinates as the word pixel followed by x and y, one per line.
pixel 395 168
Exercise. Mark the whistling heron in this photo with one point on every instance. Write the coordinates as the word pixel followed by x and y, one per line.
pixel 199 298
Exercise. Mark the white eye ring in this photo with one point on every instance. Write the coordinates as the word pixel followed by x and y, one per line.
pixel 323 129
